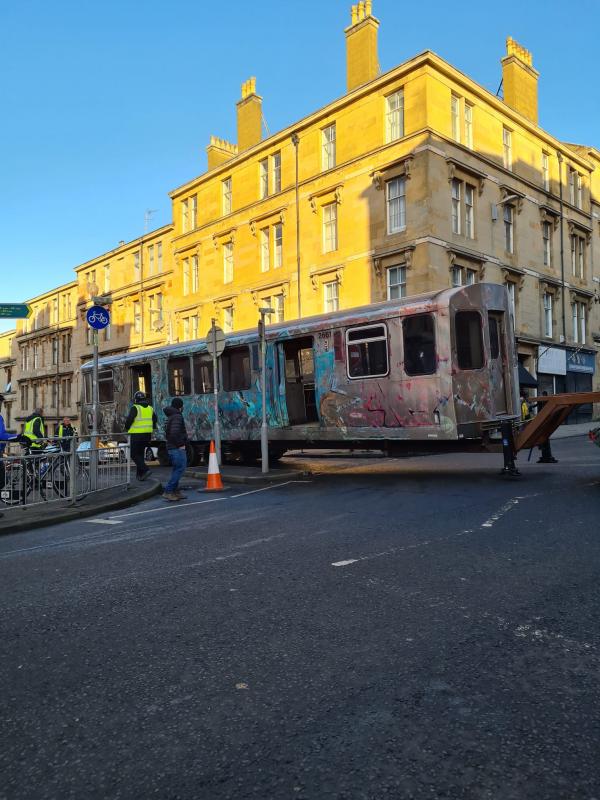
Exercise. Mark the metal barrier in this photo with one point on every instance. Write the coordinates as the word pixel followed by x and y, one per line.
pixel 63 470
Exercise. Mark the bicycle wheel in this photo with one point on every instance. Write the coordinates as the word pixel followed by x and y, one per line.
pixel 11 493
pixel 60 479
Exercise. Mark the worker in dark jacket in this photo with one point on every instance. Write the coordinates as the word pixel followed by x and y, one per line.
pixel 66 432
pixel 177 439
pixel 34 430
pixel 140 424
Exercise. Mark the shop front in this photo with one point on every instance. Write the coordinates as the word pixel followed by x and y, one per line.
pixel 581 365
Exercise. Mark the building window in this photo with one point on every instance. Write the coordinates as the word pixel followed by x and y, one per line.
pixel 36 356
pixel 263 178
pixel 548 321
pixel 546 171
pixel 275 302
pixel 226 196
pixel 510 288
pixel 151 259
pixel 159 256
pixel 579 182
pixel 24 359
pixel 456 192
pixel 367 352
pixel 156 311
pixel 463 276
pixel 137 317
pixel 469 215
pixel 328 147
pixel 186 329
pixel 547 242
pixel 578 256
pixel 331 296
pixel 186 276
pixel 55 310
pixel 24 396
pixel 509 242
pixel 572 174
pixel 330 227
pixel 106 332
pixel 136 265
pixel 396 283
pixel 193 211
pixel 394 116
pixel 227 262
pixel 185 215
pixel 55 351
pixel 455 114
pixel 228 319
pixel 469 125
pixel 396 204
pixel 265 250
pixel 66 392
pixel 276 171
pixel 66 348
pixel 195 273
pixel 278 245
pixel 578 322
pixel 507 147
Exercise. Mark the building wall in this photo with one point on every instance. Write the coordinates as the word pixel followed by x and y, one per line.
pixel 433 151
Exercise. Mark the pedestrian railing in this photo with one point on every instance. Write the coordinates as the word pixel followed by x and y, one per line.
pixel 62 470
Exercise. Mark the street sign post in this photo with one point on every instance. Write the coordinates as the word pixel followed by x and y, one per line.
pixel 215 344
pixel 97 318
pixel 15 311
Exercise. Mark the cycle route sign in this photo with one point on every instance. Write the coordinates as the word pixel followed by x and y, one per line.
pixel 98 317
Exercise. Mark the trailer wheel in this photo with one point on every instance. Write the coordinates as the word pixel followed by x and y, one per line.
pixel 194 454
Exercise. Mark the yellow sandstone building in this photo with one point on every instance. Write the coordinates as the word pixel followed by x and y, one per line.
pixel 413 180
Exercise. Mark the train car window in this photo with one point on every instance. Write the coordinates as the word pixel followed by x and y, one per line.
pixel 235 363
pixel 367 352
pixel 106 388
pixel 469 341
pixel 203 374
pixel 87 385
pixel 494 337
pixel 419 345
pixel 180 377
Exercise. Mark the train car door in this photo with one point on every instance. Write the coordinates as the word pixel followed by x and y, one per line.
pixel 499 381
pixel 300 381
pixel 141 380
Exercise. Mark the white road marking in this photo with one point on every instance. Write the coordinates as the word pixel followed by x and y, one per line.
pixel 100 521
pixel 180 504
pixel 393 550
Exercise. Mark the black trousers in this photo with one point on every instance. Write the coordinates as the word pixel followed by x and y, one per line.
pixel 139 443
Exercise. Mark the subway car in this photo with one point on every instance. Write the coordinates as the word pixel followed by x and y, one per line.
pixel 434 371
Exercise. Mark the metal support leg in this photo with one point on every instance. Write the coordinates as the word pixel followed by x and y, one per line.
pixel 508 449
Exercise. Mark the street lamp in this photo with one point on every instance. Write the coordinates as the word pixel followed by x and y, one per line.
pixel 264 434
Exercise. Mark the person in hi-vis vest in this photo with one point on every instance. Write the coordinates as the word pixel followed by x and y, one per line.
pixel 140 424
pixel 34 431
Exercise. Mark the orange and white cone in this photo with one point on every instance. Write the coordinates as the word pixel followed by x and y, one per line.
pixel 213 479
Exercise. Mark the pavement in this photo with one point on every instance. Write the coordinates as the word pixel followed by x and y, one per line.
pixel 410 630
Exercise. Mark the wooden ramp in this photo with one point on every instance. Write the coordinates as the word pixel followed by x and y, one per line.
pixel 552 412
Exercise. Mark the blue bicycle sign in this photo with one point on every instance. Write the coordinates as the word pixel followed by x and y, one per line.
pixel 98 317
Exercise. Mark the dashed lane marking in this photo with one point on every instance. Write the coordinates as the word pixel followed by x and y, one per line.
pixel 100 521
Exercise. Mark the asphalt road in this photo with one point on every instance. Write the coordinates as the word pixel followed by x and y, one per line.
pixel 412 629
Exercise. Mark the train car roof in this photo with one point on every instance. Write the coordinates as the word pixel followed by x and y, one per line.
pixel 291 328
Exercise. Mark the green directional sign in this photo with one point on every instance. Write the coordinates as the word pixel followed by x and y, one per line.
pixel 14 311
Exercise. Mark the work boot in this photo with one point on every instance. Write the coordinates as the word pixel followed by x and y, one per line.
pixel 144 475
pixel 180 494
pixel 171 496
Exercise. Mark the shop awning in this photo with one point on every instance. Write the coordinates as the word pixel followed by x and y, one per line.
pixel 526 379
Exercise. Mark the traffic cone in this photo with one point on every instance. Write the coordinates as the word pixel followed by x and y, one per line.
pixel 213 479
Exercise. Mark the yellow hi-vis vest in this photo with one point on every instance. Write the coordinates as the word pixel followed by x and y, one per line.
pixel 143 420
pixel 61 428
pixel 33 439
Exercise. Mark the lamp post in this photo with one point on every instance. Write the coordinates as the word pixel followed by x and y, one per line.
pixel 264 431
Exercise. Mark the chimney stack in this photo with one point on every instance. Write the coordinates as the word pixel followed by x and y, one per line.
pixel 249 116
pixel 219 151
pixel 520 80
pixel 362 62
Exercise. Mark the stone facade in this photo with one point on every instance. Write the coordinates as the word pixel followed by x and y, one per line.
pixel 413 180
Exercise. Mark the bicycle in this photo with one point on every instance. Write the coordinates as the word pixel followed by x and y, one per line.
pixel 47 476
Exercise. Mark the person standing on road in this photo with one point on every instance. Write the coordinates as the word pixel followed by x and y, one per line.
pixel 140 424
pixel 177 439
pixel 546 456
pixel 34 430
pixel 65 433
pixel 5 437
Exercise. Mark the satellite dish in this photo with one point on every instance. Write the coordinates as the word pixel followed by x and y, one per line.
pixel 158 324
pixel 92 289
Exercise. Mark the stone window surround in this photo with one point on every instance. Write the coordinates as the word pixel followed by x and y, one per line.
pixel 463 172
pixel 458 257
pixel 334 273
pixel 399 168
pixel 399 257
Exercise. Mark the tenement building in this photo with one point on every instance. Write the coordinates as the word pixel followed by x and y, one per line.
pixel 413 180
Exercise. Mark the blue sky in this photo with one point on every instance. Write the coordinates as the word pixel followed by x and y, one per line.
pixel 107 106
